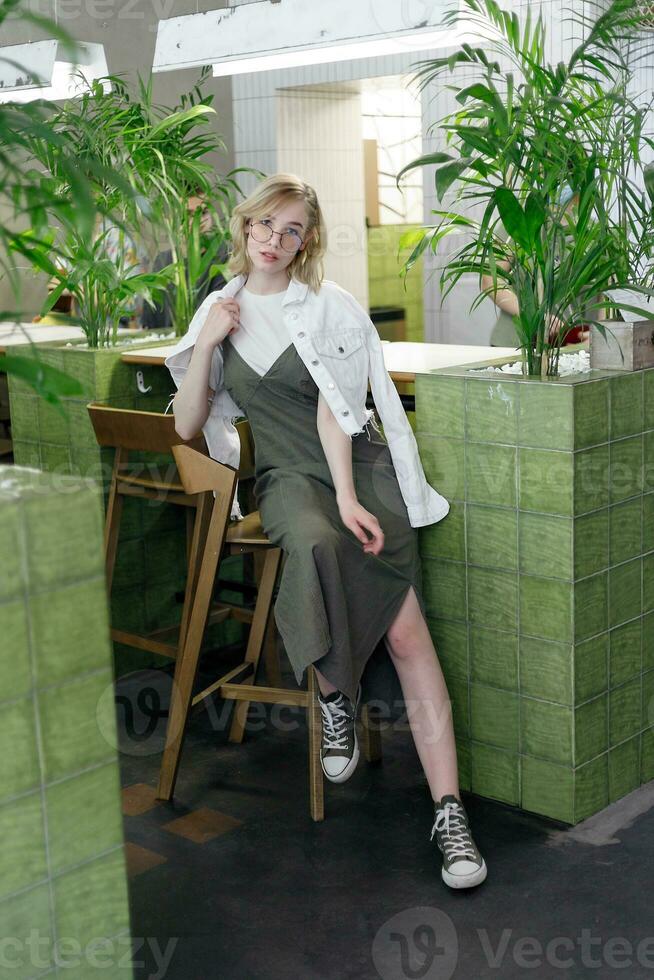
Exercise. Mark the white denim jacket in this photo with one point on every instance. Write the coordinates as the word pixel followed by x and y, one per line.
pixel 341 349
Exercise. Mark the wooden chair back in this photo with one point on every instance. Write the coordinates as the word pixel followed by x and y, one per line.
pixel 136 430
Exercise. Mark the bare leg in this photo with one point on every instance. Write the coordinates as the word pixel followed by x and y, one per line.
pixel 426 697
pixel 326 687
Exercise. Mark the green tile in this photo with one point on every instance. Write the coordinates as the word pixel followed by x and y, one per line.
pixel 590 606
pixel 625 711
pixel 444 588
pixel 66 645
pixel 625 652
pixel 451 642
pixel 647 716
pixel 625 530
pixel 80 428
pixel 494 717
pixel 626 468
pixel 648 641
pixel 495 773
pixel 546 545
pixel 91 901
pixel 129 571
pixel 94 798
pixel 624 768
pixel 64 538
pixel 19 761
pixel 547 789
pixel 15 673
pixel 494 658
pixel 591 479
pixel 464 764
pixel 591 787
pixel 22 855
pixel 648 461
pixel 446 538
pixel 648 583
pixel 27 454
pixel 493 598
pixel 443 462
pixel 25 418
pixel 55 459
pixel 648 398
pixel 546 730
pixel 624 592
pixel 440 405
pixel 458 691
pixel 546 415
pixel 53 422
pixel 492 536
pixel 546 670
pixel 591 729
pixel 490 474
pixel 546 608
pixel 626 405
pixel 546 481
pixel 591 407
pixel 23 917
pixel 491 411
pixel 648 522
pixel 78 724
pixel 13 580
pixel 591 667
pixel 647 756
pixel 591 543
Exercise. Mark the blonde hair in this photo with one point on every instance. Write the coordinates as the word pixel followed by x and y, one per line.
pixel 273 193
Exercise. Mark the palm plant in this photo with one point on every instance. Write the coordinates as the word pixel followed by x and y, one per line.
pixel 526 135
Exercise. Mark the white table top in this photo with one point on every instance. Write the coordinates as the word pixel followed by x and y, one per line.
pixel 12 334
pixel 401 358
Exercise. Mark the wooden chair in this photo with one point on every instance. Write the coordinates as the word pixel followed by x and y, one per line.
pixel 200 475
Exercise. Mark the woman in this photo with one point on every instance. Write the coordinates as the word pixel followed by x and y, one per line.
pixel 331 500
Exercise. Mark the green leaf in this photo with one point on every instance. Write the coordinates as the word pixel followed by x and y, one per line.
pixel 445 176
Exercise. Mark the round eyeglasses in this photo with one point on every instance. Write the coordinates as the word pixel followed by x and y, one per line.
pixel 262 232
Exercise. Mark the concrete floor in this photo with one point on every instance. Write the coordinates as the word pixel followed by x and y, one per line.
pixel 233 880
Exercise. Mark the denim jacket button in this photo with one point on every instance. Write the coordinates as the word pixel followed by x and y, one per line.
pixel 345 412
pixel 315 362
pixel 301 333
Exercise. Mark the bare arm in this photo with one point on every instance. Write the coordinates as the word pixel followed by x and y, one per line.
pixel 505 299
pixel 337 446
pixel 192 401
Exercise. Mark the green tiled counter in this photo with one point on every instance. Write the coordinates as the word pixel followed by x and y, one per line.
pixel 151 560
pixel 62 868
pixel 540 581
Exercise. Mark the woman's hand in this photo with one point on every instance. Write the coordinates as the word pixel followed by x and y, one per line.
pixel 359 520
pixel 222 318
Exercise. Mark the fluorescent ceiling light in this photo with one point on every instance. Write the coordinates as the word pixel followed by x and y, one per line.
pixel 264 35
pixel 47 70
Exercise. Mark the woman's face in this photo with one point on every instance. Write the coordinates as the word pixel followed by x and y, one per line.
pixel 271 256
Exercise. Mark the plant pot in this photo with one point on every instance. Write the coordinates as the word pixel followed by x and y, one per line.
pixel 58 731
pixel 540 581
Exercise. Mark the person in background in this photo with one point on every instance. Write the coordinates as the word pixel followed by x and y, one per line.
pixel 159 316
pixel 503 333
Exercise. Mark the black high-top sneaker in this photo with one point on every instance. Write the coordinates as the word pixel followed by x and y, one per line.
pixel 339 751
pixel 463 865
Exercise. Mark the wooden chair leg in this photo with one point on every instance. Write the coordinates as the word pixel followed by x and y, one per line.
pixel 371 740
pixel 270 648
pixel 314 727
pixel 187 662
pixel 199 534
pixel 256 636
pixel 112 520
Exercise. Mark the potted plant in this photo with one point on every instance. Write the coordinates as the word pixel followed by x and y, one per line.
pixel 540 582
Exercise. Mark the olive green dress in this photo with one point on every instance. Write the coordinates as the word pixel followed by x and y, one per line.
pixel 335 602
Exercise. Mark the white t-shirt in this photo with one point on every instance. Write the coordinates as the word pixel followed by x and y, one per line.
pixel 262 335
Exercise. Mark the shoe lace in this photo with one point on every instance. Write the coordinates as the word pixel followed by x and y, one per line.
pixel 335 718
pixel 456 838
